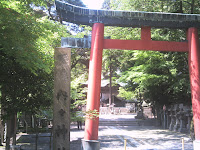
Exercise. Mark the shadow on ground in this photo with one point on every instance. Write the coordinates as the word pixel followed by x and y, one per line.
pixel 75 144
pixel 28 142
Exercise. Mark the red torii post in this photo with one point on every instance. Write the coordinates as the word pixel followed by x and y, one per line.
pixel 194 68
pixel 99 43
pixel 94 87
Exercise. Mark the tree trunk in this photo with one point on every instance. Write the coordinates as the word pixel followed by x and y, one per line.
pixel 192 7
pixel 14 128
pixel 33 121
pixel 11 130
pixel 1 120
pixel 110 87
pixel 36 133
pixel 8 134
pixel 1 132
pixel 158 114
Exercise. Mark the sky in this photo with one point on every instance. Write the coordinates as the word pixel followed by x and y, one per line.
pixel 93 4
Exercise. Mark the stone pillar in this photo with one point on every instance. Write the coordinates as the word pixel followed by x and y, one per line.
pixel 194 68
pixel 94 87
pixel 61 105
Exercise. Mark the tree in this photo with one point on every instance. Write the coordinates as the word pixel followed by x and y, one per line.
pixel 179 6
pixel 27 47
pixel 26 57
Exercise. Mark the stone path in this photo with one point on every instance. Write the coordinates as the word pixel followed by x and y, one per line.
pixel 138 137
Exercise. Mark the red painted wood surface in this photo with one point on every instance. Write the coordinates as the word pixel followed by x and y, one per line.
pixel 146 33
pixel 194 68
pixel 94 85
pixel 146 45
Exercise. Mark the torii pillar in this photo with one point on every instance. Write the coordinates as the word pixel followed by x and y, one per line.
pixel 90 141
pixel 194 68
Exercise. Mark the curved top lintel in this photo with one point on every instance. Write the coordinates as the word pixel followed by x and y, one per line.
pixel 85 16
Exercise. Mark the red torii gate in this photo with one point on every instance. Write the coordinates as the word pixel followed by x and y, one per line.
pixel 99 43
pixel 99 18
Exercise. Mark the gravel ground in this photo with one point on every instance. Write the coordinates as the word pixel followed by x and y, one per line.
pixel 140 138
pixel 137 137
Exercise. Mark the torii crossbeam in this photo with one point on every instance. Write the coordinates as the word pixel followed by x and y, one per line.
pixel 143 20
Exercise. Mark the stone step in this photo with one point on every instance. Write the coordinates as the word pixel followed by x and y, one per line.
pixel 119 123
pixel 148 122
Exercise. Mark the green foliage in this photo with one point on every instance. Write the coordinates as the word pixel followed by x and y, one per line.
pixel 82 115
pixel 128 95
pixel 78 103
pixel 28 39
pixel 77 91
pixel 26 56
pixel 178 6
pixel 79 71
pixel 24 91
pixel 161 77
pixel 111 63
pixel 45 114
pixel 92 114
